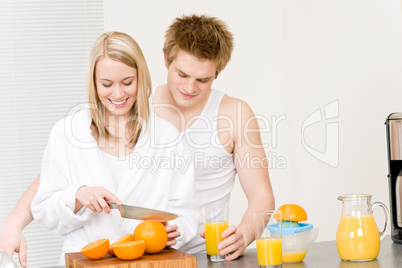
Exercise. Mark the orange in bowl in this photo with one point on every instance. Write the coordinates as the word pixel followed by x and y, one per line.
pixel 97 249
pixel 124 239
pixel 130 250
pixel 293 212
pixel 153 234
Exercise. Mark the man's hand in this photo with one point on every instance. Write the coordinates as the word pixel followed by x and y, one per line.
pixel 172 233
pixel 12 240
pixel 233 244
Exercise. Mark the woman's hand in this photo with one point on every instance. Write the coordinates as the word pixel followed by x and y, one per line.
pixel 12 240
pixel 94 198
pixel 233 244
pixel 172 233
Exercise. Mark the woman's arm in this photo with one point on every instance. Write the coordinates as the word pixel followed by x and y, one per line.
pixel 54 203
pixel 63 203
pixel 11 238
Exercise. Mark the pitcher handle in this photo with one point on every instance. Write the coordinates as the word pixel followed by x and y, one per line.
pixel 386 214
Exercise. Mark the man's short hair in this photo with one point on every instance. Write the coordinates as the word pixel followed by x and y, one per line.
pixel 202 36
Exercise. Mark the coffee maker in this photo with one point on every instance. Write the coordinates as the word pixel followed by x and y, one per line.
pixel 394 147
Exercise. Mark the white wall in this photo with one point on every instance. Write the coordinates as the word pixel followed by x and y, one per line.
pixel 292 58
pixel 350 52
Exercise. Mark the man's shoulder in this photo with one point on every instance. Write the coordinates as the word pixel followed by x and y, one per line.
pixel 234 114
pixel 231 106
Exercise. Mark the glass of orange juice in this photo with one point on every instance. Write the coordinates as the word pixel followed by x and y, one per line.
pixel 269 243
pixel 215 222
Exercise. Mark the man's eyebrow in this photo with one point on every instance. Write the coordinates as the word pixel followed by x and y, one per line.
pixel 205 78
pixel 177 69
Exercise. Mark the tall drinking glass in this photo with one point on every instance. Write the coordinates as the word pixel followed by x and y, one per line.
pixel 268 235
pixel 215 222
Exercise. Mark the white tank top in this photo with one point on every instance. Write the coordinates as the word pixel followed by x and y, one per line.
pixel 214 167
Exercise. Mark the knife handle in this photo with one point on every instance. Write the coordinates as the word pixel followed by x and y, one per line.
pixel 113 205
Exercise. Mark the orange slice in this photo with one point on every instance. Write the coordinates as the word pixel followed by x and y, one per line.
pixel 124 239
pixel 129 250
pixel 97 249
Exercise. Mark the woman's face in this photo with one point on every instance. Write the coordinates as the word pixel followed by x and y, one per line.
pixel 116 84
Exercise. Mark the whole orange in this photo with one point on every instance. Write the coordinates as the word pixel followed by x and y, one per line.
pixel 293 212
pixel 154 235
pixel 97 249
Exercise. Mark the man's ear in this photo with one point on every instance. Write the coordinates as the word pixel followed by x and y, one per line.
pixel 166 60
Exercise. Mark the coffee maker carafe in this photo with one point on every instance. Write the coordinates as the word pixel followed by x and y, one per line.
pixel 394 144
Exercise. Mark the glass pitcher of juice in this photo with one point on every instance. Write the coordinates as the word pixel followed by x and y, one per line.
pixel 358 238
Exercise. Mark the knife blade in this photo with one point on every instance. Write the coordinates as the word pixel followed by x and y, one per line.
pixel 140 213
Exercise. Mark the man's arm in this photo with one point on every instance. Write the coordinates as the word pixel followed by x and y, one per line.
pixel 11 238
pixel 251 165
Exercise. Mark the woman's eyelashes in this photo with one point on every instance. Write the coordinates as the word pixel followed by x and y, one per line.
pixel 125 84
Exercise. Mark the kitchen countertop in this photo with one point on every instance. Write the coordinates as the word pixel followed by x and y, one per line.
pixel 319 255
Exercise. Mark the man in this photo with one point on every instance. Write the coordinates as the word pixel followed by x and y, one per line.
pixel 221 132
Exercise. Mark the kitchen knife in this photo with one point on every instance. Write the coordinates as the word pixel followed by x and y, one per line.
pixel 140 213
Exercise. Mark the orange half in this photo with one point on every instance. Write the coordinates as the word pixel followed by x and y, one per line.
pixel 129 250
pixel 124 239
pixel 97 249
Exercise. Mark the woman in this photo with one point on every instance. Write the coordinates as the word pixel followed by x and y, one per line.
pixel 99 154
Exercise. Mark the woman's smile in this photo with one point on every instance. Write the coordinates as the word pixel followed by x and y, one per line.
pixel 118 104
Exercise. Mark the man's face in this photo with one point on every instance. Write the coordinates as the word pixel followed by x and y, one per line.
pixel 190 80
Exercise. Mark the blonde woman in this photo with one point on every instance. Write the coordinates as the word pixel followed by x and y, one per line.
pixel 95 155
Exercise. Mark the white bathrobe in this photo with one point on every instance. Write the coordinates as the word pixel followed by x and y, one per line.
pixel 72 159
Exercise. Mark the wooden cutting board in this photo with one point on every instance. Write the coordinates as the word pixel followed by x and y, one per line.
pixel 167 258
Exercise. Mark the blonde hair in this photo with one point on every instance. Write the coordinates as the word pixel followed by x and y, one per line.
pixel 202 36
pixel 120 47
